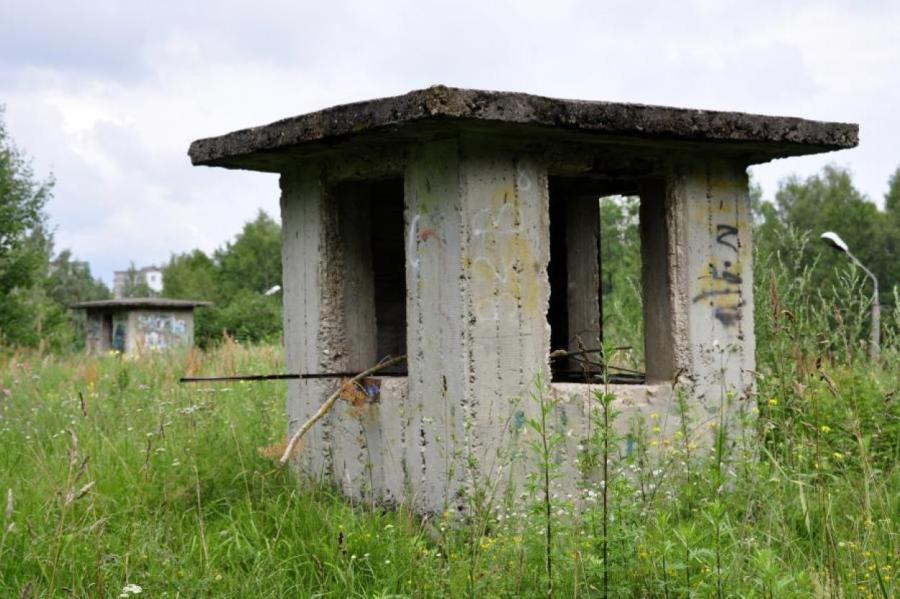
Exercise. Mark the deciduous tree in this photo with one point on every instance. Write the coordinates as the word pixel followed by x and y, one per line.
pixel 24 242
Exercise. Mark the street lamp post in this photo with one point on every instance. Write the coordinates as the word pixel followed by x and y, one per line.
pixel 835 241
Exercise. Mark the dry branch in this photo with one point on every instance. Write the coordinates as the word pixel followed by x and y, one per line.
pixel 329 403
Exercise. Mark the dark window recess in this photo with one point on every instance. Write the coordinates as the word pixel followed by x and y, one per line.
pixel 106 329
pixel 577 312
pixel 558 313
pixel 389 268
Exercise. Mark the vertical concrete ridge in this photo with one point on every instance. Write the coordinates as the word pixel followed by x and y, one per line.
pixel 505 202
pixel 302 204
pixel 677 228
pixel 435 342
pixel 656 282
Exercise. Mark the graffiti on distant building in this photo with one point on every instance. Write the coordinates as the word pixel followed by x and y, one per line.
pixel 160 331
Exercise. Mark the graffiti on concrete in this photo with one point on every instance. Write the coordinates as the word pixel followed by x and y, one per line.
pixel 721 282
pixel 94 333
pixel 725 231
pixel 158 331
pixel 503 256
pixel 118 336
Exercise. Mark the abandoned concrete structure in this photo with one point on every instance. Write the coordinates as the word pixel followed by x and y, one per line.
pixel 461 227
pixel 132 325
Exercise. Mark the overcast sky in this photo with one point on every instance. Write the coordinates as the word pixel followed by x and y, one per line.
pixel 108 95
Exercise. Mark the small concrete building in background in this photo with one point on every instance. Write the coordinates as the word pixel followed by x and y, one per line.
pixel 134 325
pixel 460 227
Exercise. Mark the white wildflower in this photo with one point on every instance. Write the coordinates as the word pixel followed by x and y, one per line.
pixel 131 589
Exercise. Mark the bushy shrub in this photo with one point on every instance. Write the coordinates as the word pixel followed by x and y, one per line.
pixel 235 278
pixel 247 317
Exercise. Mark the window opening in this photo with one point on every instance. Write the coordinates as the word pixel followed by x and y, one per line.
pixel 374 271
pixel 389 269
pixel 595 283
pixel 118 336
pixel 622 292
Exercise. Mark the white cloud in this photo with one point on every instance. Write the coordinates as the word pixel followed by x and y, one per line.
pixel 109 95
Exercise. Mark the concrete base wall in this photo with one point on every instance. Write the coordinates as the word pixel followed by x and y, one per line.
pixel 390 462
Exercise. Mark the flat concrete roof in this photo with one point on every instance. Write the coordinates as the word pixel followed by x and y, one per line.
pixel 141 302
pixel 432 111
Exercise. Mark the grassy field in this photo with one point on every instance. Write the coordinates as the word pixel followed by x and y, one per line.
pixel 119 476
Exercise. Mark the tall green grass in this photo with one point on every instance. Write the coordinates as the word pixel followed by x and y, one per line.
pixel 182 502
pixel 118 475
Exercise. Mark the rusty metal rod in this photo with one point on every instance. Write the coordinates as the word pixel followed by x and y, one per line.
pixel 278 377
pixel 335 375
pixel 295 438
pixel 561 354
pixel 240 377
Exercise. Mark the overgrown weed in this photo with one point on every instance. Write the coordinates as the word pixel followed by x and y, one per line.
pixel 804 500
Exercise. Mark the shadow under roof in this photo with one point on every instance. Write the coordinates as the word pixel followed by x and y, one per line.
pixel 141 302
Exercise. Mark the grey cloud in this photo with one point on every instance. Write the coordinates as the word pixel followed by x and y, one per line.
pixel 160 74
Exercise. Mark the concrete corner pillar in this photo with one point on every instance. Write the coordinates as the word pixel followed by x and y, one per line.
pixel 711 269
pixel 308 261
pixel 477 250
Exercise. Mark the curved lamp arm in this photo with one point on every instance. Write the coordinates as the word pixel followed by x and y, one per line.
pixel 835 241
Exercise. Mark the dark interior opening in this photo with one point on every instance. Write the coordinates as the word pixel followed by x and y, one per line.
pixel 575 272
pixel 389 268
pixel 106 329
pixel 557 272
pixel 118 332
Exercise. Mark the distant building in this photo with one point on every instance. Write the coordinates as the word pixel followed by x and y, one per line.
pixel 132 325
pixel 151 276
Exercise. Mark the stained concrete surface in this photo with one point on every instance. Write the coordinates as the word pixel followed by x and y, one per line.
pixel 475 170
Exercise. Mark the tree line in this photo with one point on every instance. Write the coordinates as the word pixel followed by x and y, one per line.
pixel 239 278
pixel 786 229
pixel 38 284
pixel 828 201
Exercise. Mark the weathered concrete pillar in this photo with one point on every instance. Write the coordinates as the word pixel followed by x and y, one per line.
pixel 477 250
pixel 330 326
pixel 657 256
pixel 583 270
pixel 310 310
pixel 506 224
pixel 354 216
pixel 711 270
pixel 436 286
pixel 98 332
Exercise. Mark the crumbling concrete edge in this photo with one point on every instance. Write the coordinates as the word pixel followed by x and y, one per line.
pixel 447 103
